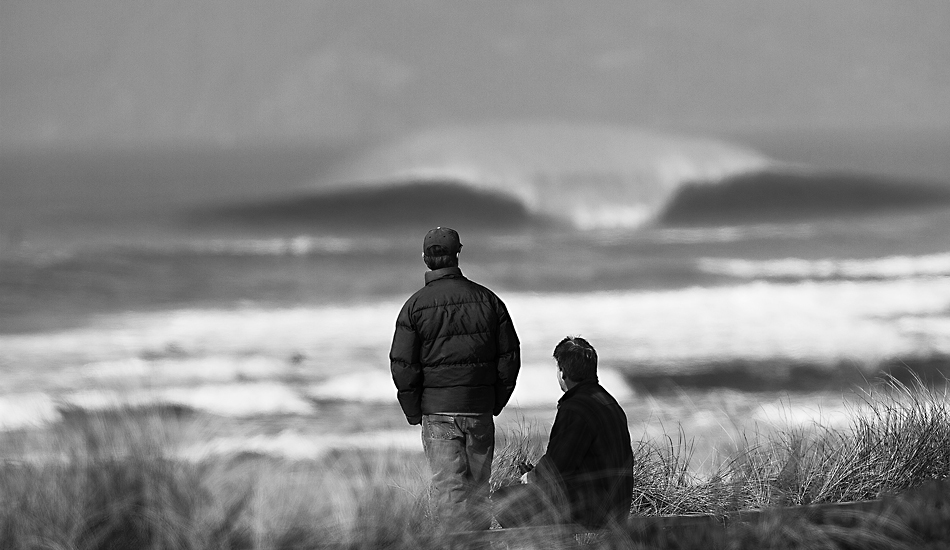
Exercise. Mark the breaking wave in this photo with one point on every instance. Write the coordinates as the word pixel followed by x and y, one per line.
pixel 583 177
pixel 505 175
pixel 589 176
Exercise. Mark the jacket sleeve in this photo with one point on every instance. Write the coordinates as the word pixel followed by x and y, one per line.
pixel 405 366
pixel 571 438
pixel 509 359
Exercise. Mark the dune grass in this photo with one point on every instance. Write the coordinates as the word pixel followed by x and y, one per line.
pixel 900 438
pixel 113 480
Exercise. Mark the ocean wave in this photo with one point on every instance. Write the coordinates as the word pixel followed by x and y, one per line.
pixel 790 374
pixel 584 177
pixel 786 193
pixel 588 177
pixel 891 267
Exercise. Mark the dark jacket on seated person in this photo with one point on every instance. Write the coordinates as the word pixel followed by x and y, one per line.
pixel 589 459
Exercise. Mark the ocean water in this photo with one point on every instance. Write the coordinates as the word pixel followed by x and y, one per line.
pixel 265 284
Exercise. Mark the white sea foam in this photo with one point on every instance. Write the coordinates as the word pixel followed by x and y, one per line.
pixel 374 386
pixel 27 410
pixel 294 445
pixel 295 246
pixel 218 368
pixel 538 387
pixel 238 400
pixel 299 245
pixel 328 338
pixel 726 234
pixel 820 321
pixel 784 414
pixel 889 267
pixel 930 330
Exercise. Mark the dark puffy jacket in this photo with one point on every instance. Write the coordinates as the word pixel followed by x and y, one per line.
pixel 589 459
pixel 455 349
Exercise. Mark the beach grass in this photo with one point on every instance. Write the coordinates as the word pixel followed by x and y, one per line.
pixel 115 479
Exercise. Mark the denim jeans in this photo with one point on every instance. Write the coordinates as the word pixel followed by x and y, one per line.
pixel 459 449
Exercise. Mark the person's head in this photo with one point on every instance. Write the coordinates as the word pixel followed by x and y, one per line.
pixel 576 361
pixel 441 248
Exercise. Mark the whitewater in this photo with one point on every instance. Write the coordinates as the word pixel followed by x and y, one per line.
pixel 253 360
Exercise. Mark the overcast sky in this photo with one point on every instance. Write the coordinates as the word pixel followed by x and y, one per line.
pixel 179 71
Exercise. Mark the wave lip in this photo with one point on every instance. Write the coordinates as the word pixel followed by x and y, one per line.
pixel 891 267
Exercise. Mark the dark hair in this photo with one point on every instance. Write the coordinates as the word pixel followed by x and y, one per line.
pixel 437 257
pixel 577 358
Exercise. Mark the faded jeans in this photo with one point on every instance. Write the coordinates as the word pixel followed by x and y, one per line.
pixel 459 449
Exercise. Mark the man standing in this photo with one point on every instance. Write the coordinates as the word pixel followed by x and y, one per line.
pixel 455 358
pixel 586 474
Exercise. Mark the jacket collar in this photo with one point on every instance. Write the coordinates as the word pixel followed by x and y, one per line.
pixel 579 388
pixel 437 274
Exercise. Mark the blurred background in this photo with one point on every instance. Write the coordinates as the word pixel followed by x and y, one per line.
pixel 221 205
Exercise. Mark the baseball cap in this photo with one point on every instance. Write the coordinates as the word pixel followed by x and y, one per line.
pixel 442 236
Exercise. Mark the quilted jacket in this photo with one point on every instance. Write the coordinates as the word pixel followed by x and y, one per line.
pixel 455 349
pixel 589 457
